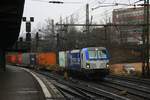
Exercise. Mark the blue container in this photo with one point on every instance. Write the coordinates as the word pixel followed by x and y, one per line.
pixel 73 58
pixel 32 59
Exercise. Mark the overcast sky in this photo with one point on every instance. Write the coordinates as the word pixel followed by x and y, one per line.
pixel 41 10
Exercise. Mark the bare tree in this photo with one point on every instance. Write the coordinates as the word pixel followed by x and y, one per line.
pixel 47 41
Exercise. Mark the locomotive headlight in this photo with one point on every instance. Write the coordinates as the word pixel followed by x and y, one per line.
pixel 87 66
pixel 107 65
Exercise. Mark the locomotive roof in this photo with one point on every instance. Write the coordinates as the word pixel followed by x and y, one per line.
pixel 93 48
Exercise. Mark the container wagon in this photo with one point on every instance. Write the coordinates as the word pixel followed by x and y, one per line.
pixel 46 60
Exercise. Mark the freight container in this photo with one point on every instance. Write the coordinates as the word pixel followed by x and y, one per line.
pixel 19 58
pixel 32 59
pixel 29 59
pixel 47 60
pixel 62 59
pixel 26 59
pixel 8 59
pixel 73 58
pixel 11 58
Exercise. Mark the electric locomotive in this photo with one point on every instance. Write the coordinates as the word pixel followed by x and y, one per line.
pixel 91 61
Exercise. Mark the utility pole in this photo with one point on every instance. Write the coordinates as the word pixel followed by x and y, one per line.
pixel 61 23
pixel 87 26
pixel 145 37
pixel 66 32
pixel 147 60
pixel 53 29
pixel 91 20
pixel 58 41
pixel 60 33
pixel 58 47
pixel 143 47
pixel 105 28
pixel 87 18
pixel 37 41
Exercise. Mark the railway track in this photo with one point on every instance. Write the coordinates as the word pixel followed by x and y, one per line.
pixel 111 88
pixel 81 90
pixel 140 81
pixel 121 89
pixel 131 86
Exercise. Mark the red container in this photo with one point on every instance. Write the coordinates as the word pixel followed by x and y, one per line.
pixel 8 58
pixel 13 58
pixel 19 58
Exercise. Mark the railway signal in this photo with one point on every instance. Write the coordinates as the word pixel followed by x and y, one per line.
pixel 28 31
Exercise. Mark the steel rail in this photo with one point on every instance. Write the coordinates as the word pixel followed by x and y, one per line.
pixel 87 94
pixel 92 90
pixel 132 79
pixel 134 89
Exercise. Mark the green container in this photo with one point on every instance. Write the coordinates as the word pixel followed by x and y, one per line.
pixel 62 59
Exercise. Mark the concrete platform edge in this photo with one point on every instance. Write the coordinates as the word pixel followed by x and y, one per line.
pixel 41 83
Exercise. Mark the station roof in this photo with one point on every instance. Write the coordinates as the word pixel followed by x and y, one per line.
pixel 10 21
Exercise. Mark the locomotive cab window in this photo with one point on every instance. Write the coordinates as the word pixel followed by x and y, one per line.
pixel 97 54
pixel 102 54
pixel 92 54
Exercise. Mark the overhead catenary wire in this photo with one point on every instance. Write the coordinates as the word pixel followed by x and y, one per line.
pixel 102 13
pixel 138 1
pixel 79 14
pixel 57 2
pixel 81 17
pixel 81 10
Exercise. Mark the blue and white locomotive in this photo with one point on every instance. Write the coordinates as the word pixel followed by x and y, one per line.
pixel 92 61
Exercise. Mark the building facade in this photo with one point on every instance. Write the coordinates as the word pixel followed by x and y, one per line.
pixel 129 34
